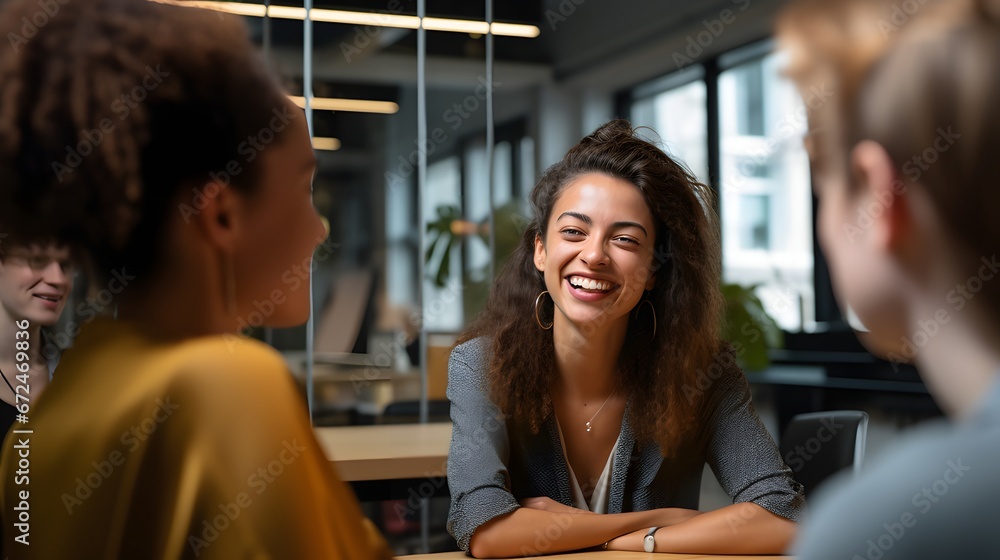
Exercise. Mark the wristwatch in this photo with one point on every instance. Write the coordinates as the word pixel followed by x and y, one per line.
pixel 649 542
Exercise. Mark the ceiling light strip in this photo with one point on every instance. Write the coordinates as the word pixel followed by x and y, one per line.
pixel 325 143
pixel 456 25
pixel 515 30
pixel 287 12
pixel 351 105
pixel 238 8
pixel 364 18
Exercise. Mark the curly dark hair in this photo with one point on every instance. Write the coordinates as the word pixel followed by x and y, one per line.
pixel 686 296
pixel 111 109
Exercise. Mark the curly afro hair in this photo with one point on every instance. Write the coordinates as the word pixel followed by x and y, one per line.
pixel 110 108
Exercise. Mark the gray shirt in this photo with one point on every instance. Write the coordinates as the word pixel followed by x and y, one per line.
pixel 493 462
pixel 934 496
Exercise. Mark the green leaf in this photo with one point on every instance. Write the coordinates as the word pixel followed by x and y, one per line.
pixel 748 326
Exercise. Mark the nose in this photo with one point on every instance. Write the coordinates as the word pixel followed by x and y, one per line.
pixel 54 274
pixel 594 254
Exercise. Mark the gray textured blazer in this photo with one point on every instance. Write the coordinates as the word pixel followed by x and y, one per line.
pixel 494 462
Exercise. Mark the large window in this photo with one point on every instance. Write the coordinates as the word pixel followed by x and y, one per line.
pixel 674 108
pixel 738 125
pixel 765 201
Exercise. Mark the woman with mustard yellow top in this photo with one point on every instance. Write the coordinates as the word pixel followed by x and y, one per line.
pixel 153 135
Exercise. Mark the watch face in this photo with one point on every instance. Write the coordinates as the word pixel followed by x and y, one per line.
pixel 648 543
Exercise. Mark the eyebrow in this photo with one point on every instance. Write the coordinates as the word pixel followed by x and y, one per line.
pixel 586 219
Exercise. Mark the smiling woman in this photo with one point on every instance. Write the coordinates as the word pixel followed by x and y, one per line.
pixel 577 390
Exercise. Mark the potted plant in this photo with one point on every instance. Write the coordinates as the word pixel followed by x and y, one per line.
pixel 749 327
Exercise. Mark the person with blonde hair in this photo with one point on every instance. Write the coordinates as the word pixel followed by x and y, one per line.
pixel 153 135
pixel 905 172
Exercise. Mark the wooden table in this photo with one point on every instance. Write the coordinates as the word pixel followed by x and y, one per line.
pixel 608 555
pixel 392 461
pixel 387 452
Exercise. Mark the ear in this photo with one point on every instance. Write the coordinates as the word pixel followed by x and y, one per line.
pixel 219 217
pixel 651 282
pixel 883 200
pixel 539 253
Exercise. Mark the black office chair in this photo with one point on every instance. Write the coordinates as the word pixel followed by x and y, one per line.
pixel 820 444
pixel 408 412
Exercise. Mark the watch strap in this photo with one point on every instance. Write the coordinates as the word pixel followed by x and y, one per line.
pixel 649 542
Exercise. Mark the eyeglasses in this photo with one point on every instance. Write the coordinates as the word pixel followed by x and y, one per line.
pixel 40 261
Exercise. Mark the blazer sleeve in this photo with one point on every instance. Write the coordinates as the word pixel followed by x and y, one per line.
pixel 740 451
pixel 478 478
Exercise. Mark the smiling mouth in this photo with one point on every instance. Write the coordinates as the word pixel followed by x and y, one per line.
pixel 53 299
pixel 591 285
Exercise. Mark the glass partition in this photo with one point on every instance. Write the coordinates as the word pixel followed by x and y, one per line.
pixel 403 103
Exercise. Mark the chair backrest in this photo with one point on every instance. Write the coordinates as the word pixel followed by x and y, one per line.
pixel 408 412
pixel 820 444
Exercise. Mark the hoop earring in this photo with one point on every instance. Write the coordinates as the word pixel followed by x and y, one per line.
pixel 228 284
pixel 652 310
pixel 538 319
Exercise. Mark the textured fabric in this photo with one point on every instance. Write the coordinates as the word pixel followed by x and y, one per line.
pixel 494 463
pixel 154 449
pixel 598 500
pixel 934 495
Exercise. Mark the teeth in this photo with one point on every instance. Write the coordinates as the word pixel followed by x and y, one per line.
pixel 590 284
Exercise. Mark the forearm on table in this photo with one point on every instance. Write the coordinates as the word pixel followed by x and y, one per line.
pixel 744 528
pixel 530 532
